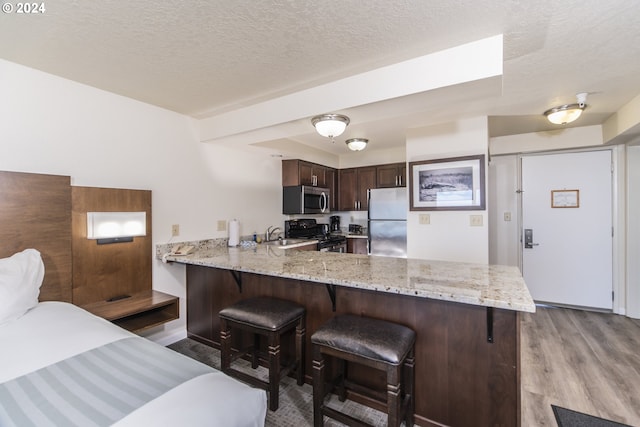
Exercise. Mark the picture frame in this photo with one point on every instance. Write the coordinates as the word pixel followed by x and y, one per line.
pixel 455 183
pixel 565 198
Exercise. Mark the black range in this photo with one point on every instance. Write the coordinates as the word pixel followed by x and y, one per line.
pixel 308 228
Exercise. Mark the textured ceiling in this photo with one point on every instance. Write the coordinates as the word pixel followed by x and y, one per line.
pixel 203 58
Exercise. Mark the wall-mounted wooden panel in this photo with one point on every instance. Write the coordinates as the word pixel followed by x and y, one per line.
pixel 35 212
pixel 101 272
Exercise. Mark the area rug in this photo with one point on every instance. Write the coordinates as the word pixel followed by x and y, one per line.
pixel 568 418
pixel 296 402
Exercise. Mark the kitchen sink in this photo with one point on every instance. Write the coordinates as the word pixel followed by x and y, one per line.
pixel 287 243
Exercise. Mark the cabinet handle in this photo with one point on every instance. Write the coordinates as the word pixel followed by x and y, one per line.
pixel 314 180
pixel 400 179
pixel 396 180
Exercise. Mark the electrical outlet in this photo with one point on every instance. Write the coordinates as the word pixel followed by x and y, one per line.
pixel 424 219
pixel 507 216
pixel 222 225
pixel 475 220
pixel 175 230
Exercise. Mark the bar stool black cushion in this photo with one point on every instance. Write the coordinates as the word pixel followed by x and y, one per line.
pixel 263 312
pixel 370 338
pixel 379 344
pixel 271 318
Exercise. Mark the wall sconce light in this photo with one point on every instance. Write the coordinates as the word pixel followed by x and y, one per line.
pixel 116 227
pixel 330 125
pixel 567 113
pixel 356 144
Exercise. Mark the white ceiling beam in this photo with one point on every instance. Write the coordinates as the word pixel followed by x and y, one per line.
pixel 624 125
pixel 469 62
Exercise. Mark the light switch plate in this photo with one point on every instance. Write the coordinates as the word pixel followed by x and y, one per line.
pixel 175 230
pixel 222 225
pixel 507 216
pixel 424 219
pixel 475 220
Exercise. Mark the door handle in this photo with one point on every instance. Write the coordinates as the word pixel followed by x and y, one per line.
pixel 528 239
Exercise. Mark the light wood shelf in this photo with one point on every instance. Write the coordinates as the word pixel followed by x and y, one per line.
pixel 138 312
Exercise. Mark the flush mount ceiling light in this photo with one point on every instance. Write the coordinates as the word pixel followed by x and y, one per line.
pixel 567 113
pixel 330 125
pixel 356 144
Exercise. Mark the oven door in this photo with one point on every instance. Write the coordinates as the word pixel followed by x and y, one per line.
pixel 334 247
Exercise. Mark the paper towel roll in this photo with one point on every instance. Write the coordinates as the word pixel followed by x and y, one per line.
pixel 234 233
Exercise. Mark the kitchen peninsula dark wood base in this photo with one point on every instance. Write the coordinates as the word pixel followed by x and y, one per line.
pixel 461 379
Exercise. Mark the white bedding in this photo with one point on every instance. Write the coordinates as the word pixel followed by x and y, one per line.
pixel 54 331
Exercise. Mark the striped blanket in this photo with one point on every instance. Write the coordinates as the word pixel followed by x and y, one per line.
pixel 97 387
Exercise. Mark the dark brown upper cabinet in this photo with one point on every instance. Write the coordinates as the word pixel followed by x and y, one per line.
pixel 392 175
pixel 353 184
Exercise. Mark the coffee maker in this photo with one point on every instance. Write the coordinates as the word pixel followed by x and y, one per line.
pixel 335 223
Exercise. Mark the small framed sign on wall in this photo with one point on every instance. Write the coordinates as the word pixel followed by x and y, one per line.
pixel 565 198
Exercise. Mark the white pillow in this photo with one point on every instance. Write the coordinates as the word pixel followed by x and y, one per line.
pixel 20 280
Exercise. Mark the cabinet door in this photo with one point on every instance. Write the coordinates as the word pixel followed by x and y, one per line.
pixel 387 176
pixel 402 174
pixel 331 183
pixel 319 172
pixel 299 172
pixel 366 181
pixel 392 175
pixel 347 185
pixel 305 171
pixel 357 246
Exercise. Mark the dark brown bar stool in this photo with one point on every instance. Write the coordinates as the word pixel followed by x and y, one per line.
pixel 371 342
pixel 268 317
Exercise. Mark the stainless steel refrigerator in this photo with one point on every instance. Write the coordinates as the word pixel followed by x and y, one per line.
pixel 388 222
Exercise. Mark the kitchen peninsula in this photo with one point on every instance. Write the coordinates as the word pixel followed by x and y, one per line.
pixel 466 316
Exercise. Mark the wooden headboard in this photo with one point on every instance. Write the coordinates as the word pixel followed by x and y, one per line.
pixel 35 212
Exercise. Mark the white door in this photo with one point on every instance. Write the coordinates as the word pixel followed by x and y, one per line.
pixel 567 253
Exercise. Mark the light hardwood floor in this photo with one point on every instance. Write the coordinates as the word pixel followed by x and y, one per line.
pixel 584 361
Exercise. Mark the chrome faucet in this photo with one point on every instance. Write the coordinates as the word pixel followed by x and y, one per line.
pixel 268 236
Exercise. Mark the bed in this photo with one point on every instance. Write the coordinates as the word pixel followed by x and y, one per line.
pixel 61 365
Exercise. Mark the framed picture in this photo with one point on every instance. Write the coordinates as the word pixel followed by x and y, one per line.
pixel 455 183
pixel 565 198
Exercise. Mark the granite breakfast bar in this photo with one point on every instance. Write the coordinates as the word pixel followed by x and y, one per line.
pixel 466 317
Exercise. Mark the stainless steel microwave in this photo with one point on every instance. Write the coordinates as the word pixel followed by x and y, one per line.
pixel 303 199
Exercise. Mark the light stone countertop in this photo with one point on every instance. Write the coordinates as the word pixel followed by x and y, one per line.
pixel 475 284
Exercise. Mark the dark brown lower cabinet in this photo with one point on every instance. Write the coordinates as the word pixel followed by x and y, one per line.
pixel 462 379
pixel 357 245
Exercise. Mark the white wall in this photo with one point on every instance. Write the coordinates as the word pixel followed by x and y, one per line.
pixel 633 231
pixel 56 126
pixel 502 185
pixel 449 235
pixel 504 236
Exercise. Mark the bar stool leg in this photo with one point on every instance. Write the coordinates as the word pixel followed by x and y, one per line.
pixel 300 353
pixel 255 359
pixel 318 387
pixel 409 365
pixel 225 346
pixel 394 401
pixel 274 370
pixel 342 377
